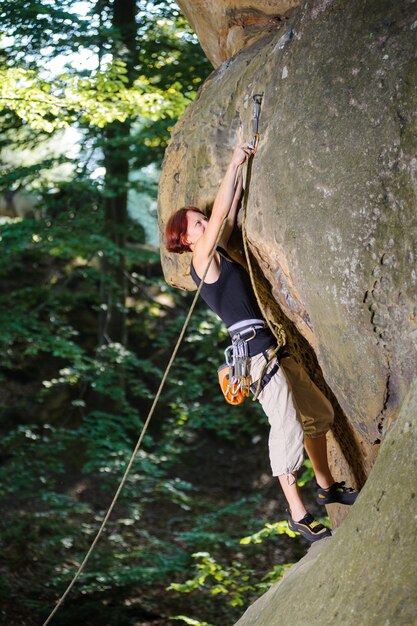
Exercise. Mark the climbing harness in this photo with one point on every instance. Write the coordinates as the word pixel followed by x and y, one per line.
pixel 265 376
pixel 276 329
pixel 234 378
pixel 236 382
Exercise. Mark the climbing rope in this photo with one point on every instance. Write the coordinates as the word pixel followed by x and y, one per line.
pixel 142 434
pixel 276 329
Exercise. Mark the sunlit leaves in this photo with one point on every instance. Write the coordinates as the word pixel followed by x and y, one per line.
pixel 269 530
pixel 100 99
pixel 235 581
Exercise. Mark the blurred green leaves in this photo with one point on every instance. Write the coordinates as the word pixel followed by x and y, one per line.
pixel 98 100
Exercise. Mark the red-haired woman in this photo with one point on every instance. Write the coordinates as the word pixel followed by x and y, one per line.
pixel 298 413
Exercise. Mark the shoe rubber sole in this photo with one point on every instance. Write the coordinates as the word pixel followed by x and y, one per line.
pixel 336 494
pixel 309 528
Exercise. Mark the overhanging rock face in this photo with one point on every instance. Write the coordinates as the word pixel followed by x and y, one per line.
pixel 224 27
pixel 332 205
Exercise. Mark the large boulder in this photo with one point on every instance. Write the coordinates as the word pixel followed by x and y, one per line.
pixel 332 228
pixel 332 200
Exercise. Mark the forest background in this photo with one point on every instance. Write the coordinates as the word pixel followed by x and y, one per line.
pixel 89 94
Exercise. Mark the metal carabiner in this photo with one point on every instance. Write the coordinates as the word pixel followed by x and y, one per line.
pixel 229 356
pixel 257 101
pixel 252 336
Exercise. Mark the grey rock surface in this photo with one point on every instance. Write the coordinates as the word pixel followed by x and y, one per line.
pixel 332 206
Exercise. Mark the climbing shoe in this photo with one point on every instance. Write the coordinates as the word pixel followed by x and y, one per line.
pixel 336 493
pixel 309 528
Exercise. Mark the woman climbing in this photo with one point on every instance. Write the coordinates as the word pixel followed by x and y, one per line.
pixel 298 413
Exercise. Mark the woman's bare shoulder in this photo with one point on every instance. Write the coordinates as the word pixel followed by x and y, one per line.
pixel 200 261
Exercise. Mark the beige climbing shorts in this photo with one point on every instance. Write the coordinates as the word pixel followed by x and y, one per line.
pixel 295 407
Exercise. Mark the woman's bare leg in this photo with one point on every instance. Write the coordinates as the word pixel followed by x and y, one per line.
pixel 300 520
pixel 317 451
pixel 292 494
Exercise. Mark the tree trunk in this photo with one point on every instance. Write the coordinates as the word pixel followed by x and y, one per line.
pixel 116 142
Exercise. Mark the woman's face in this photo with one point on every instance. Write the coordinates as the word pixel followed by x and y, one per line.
pixel 196 225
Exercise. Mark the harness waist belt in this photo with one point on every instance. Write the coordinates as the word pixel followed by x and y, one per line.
pixel 246 327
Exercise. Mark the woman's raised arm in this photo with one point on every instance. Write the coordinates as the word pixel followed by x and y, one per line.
pixel 227 199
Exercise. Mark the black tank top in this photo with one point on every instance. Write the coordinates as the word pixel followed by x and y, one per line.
pixel 231 297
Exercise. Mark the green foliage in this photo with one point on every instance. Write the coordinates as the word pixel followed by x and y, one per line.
pixel 211 529
pixel 55 280
pixel 235 581
pixel 238 583
pixel 34 459
pixel 307 475
pixel 97 100
pixel 168 66
pixel 269 530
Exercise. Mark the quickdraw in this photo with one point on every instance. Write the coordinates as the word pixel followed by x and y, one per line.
pixel 234 378
pixel 257 101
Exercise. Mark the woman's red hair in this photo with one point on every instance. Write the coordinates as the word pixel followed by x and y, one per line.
pixel 176 230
